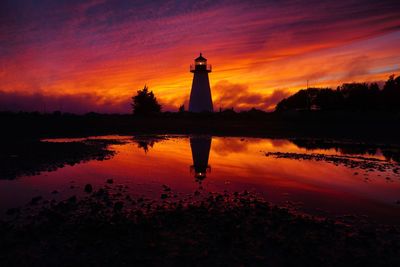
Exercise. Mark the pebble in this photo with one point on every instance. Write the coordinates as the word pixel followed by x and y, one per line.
pixel 88 188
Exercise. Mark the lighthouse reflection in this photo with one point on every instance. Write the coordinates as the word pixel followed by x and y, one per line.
pixel 200 146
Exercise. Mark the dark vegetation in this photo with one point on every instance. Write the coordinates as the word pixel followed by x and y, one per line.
pixel 113 228
pixel 374 126
pixel 145 103
pixel 356 110
pixel 29 157
pixel 349 97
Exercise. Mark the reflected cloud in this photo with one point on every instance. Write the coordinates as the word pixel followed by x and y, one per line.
pixel 279 142
pixel 229 145
pixel 347 148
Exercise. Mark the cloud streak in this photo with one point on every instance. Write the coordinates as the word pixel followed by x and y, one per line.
pixel 111 48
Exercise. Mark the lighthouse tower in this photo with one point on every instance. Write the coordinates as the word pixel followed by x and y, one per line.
pixel 200 95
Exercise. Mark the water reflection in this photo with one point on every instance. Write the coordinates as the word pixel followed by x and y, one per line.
pixel 200 147
pixel 321 176
pixel 390 153
pixel 147 142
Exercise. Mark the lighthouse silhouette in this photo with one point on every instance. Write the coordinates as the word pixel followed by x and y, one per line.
pixel 200 95
pixel 200 146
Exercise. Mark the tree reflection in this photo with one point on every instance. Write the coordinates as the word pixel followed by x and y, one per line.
pixel 147 142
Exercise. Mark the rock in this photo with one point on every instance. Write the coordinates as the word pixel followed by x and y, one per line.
pixel 36 200
pixel 166 188
pixel 12 211
pixel 72 199
pixel 88 188
pixel 118 206
pixel 101 192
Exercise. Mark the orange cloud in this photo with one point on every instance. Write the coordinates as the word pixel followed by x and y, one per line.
pixel 240 97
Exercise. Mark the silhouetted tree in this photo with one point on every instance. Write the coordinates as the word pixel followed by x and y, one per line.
pixel 254 111
pixel 181 108
pixel 328 99
pixel 302 100
pixel 374 88
pixel 391 93
pixel 145 103
pixel 348 96
pixel 356 96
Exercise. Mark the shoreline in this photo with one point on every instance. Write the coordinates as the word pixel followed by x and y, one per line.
pixel 373 127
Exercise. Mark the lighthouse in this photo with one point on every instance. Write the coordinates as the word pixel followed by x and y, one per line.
pixel 200 95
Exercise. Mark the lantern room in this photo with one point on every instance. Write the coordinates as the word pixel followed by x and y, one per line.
pixel 200 64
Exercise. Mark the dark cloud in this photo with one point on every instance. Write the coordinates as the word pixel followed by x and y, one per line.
pixel 230 26
pixel 357 67
pixel 240 97
pixel 229 146
pixel 78 103
pixel 171 104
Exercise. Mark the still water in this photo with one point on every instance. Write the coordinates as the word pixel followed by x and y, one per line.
pixel 320 178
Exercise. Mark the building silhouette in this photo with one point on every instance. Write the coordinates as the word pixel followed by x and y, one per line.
pixel 200 146
pixel 200 95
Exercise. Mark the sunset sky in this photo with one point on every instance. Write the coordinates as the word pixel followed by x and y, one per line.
pixel 81 56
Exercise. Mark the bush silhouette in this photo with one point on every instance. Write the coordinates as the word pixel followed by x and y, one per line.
pixel 145 103
pixel 391 93
pixel 348 96
pixel 302 100
pixel 181 108
pixel 328 99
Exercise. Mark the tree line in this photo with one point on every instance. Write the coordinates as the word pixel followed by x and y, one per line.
pixel 348 96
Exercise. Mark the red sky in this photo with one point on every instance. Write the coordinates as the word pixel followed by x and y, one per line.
pixel 81 56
